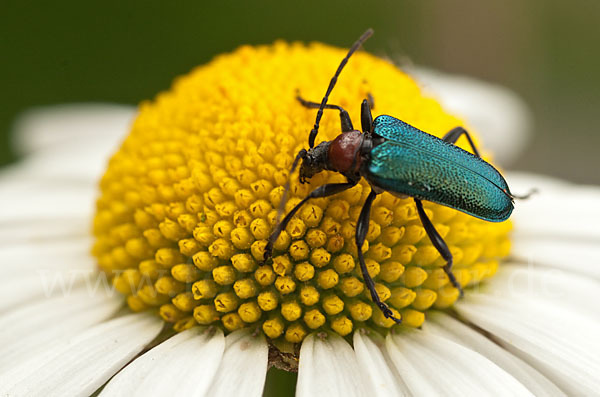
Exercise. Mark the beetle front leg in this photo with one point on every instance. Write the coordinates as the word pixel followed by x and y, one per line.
pixel 455 133
pixel 439 244
pixel 362 226
pixel 322 191
pixel 345 121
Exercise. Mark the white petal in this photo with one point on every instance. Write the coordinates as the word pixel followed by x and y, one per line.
pixel 46 255
pixel 380 375
pixel 522 182
pixel 41 270
pixel 504 123
pixel 561 343
pixel 82 364
pixel 183 365
pixel 81 163
pixel 559 210
pixel 44 230
pixel 244 366
pixel 35 328
pixel 434 365
pixel 559 214
pixel 52 126
pixel 553 286
pixel 443 325
pixel 35 201
pixel 418 382
pixel 67 143
pixel 579 256
pixel 41 211
pixel 328 367
pixel 42 284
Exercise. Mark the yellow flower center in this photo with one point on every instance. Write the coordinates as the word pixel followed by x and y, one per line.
pixel 189 200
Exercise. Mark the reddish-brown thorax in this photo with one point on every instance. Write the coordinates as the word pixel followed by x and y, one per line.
pixel 344 152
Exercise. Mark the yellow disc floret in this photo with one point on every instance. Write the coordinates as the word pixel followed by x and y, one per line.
pixel 189 200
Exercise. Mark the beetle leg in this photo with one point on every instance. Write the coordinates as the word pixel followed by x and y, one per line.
pixel 371 101
pixel 455 133
pixel 439 244
pixel 362 227
pixel 322 191
pixel 344 116
pixel 366 118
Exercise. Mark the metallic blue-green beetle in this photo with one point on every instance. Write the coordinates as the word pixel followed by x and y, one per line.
pixel 396 157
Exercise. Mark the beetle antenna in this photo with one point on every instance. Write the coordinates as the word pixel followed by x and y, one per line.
pixel 278 225
pixel 355 46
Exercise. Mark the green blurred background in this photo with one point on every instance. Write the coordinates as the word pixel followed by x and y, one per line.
pixel 126 51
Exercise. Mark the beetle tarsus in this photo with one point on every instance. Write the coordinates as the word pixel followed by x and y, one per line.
pixel 362 227
pixel 388 313
pixel 448 270
pixel 268 254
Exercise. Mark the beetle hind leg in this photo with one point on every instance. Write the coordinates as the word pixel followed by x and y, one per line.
pixel 362 226
pixel 455 133
pixel 439 244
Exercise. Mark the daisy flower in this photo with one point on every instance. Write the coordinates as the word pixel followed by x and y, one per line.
pixel 165 293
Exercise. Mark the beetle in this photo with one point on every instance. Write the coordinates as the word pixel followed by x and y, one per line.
pixel 398 158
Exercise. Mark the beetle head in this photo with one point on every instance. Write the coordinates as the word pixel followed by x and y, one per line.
pixel 314 161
